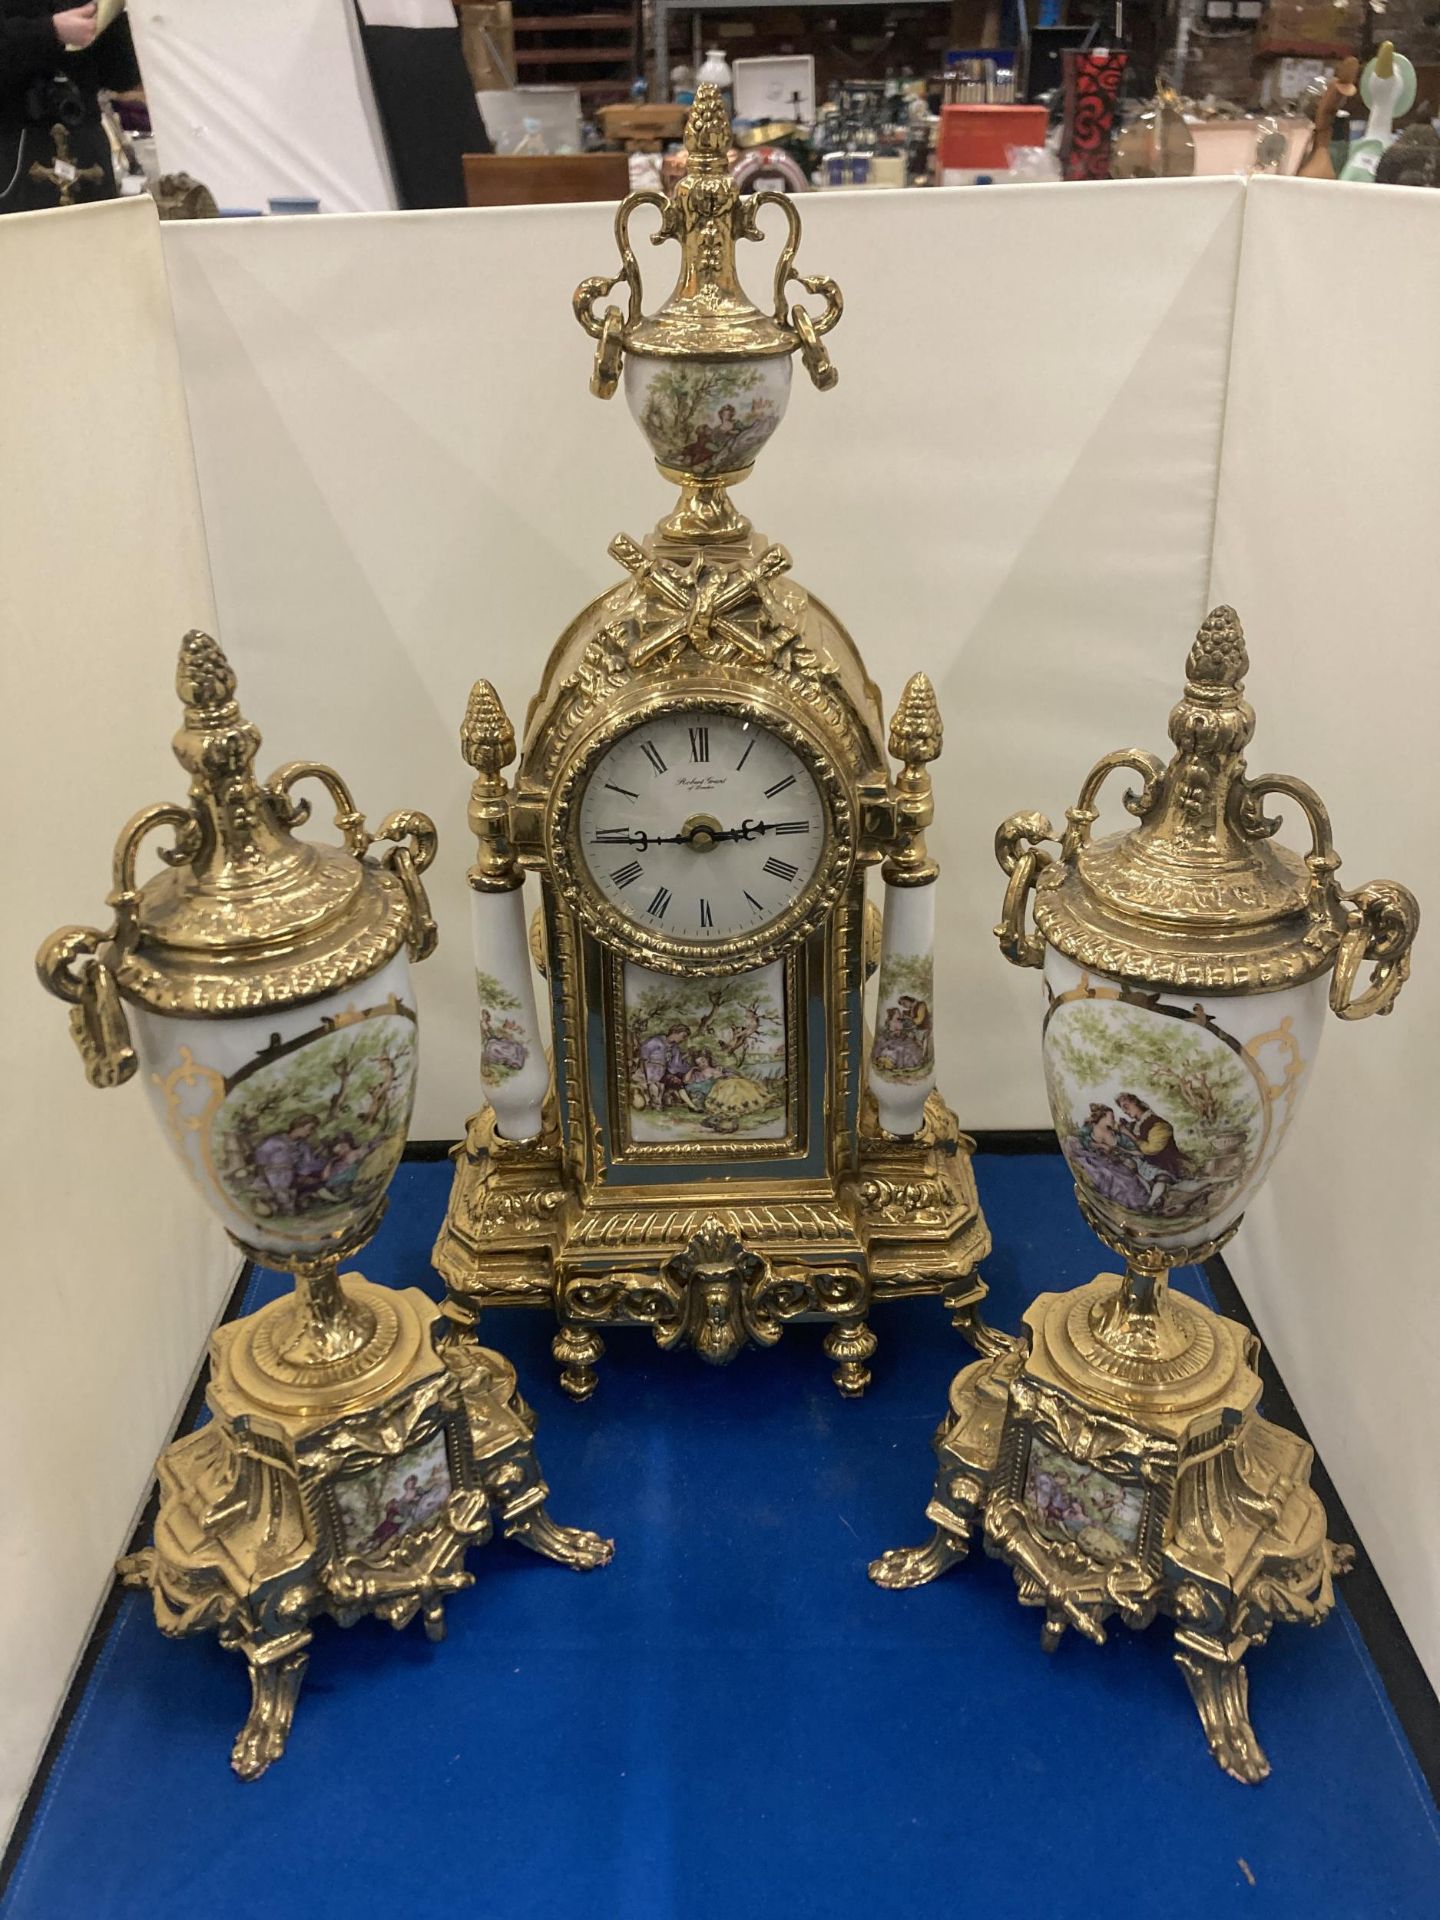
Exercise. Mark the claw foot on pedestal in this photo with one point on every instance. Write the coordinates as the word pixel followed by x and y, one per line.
pixel 274 1688
pixel 915 1566
pixel 573 1547
pixel 1221 1692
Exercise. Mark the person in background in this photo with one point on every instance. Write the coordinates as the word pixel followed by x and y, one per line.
pixel 53 66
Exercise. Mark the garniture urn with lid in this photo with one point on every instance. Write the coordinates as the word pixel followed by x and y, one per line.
pixel 715 1146
pixel 260 984
pixel 1113 1456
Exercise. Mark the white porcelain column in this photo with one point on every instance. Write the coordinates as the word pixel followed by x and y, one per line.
pixel 513 1068
pixel 902 1058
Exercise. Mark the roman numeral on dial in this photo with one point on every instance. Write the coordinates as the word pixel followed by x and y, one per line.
pixel 699 744
pixel 658 905
pixel 653 755
pixel 781 870
pixel 780 786
pixel 622 876
pixel 706 919
pixel 616 836
pixel 791 826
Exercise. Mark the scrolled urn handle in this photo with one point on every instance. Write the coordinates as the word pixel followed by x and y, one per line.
pixel 1381 922
pixel 291 812
pixel 1082 816
pixel 124 894
pixel 416 843
pixel 1322 860
pixel 1020 844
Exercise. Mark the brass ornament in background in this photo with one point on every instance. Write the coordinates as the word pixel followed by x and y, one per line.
pixel 62 172
pixel 611 1191
pixel 355 1453
pixel 1113 1456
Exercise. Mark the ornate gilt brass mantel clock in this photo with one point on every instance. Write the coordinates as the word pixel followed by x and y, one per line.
pixel 702 788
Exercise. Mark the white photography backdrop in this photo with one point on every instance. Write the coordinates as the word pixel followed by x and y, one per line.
pixel 113 1271
pixel 264 99
pixel 1034 474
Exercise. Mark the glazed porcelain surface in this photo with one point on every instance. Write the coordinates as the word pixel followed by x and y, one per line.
pixel 1170 1108
pixel 707 417
pixel 292 1122
pixel 706 1058
pixel 514 1070
pixel 902 1057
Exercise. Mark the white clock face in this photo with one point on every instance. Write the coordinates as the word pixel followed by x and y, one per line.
pixel 701 826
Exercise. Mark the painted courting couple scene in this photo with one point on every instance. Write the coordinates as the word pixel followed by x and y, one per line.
pixel 1159 1117
pixel 709 419
pixel 380 1506
pixel 503 1051
pixel 1068 1501
pixel 706 1057
pixel 904 1046
pixel 314 1134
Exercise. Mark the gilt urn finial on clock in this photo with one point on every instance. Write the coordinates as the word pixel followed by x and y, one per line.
pixel 705 1139
pixel 707 376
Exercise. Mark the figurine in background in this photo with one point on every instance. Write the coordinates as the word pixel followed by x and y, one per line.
pixel 1270 147
pixel 1413 160
pixel 1387 87
pixel 1316 163
pixel 1157 144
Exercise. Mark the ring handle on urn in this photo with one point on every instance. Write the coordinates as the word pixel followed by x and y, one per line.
pixel 407 863
pixel 1020 845
pixel 608 328
pixel 1382 920
pixel 806 326
pixel 98 1024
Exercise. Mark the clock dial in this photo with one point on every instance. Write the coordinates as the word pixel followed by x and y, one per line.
pixel 701 825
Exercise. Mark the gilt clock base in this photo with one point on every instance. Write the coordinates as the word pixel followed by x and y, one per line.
pixel 713 1270
pixel 265 1512
pixel 1165 1492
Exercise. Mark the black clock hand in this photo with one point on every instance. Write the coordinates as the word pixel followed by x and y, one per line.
pixel 621 837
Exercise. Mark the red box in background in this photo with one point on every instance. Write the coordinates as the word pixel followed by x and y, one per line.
pixel 977 137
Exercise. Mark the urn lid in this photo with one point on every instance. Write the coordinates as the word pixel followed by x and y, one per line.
pixel 1199 894
pixel 244 915
pixel 708 315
